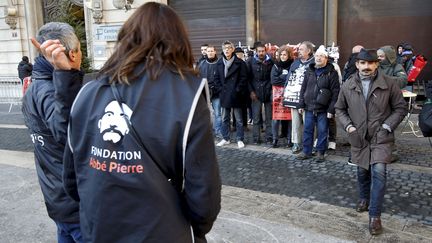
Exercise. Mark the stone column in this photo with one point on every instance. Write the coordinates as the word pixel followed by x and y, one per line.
pixel 330 28
pixel 34 20
pixel 250 22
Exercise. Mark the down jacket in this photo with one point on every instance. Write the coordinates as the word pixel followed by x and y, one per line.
pixel 371 143
pixel 328 79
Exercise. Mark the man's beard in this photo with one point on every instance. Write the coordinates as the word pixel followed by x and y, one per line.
pixel 112 135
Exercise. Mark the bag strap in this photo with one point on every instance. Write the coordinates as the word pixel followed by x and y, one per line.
pixel 135 135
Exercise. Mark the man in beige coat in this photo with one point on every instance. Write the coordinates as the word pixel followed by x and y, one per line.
pixel 370 107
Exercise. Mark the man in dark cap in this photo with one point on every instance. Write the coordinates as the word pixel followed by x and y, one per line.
pixel 370 107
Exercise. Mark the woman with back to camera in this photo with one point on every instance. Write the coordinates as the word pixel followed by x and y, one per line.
pixel 145 170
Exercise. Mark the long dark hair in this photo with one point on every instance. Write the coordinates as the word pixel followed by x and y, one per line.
pixel 154 36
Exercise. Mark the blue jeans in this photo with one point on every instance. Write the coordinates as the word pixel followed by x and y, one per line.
pixel 321 121
pixel 68 233
pixel 275 129
pixel 372 184
pixel 217 112
pixel 257 122
pixel 226 118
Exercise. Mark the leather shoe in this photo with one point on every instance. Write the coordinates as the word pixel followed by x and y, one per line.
pixel 362 206
pixel 375 227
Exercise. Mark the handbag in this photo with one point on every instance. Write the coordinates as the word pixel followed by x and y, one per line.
pixel 324 96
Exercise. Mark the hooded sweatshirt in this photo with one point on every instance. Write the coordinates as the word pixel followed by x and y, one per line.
pixel 390 67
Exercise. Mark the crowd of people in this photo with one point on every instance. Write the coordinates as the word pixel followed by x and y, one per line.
pixel 297 92
pixel 255 95
pixel 130 156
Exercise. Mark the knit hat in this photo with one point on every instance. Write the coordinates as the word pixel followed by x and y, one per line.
pixel 369 55
pixel 321 51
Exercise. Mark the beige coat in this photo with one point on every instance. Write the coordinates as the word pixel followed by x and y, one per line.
pixel 370 143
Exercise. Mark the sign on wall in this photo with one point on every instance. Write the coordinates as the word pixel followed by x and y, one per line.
pixel 106 32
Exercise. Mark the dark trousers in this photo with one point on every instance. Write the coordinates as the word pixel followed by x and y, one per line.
pixel 68 233
pixel 372 184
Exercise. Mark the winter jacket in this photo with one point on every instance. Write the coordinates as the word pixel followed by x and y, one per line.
pixel 295 79
pixel 123 195
pixel 371 143
pixel 233 90
pixel 279 73
pixel 350 67
pixel 24 69
pixel 390 67
pixel 259 74
pixel 46 107
pixel 207 70
pixel 312 84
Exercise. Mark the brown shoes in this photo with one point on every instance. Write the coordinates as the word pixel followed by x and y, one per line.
pixel 362 206
pixel 303 156
pixel 375 227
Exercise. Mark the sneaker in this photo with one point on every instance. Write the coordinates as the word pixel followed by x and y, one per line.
pixel 303 156
pixel 332 145
pixel 222 143
pixel 295 148
pixel 240 144
pixel 314 151
pixel 350 162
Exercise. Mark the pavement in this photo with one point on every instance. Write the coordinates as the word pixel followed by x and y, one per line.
pixel 267 195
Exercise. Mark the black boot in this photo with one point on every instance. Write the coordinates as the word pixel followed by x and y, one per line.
pixel 275 143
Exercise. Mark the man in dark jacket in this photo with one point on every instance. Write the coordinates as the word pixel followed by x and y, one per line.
pixel 46 107
pixel 207 69
pixel 260 89
pixel 24 68
pixel 231 82
pixel 370 107
pixel 318 95
pixel 350 67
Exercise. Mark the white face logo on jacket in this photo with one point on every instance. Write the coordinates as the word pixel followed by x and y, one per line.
pixel 112 125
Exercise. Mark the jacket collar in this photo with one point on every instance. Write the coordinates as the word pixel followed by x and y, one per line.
pixel 235 65
pixel 378 82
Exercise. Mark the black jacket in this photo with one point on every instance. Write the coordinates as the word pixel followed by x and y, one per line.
pixel 350 67
pixel 123 195
pixel 328 79
pixel 279 73
pixel 46 116
pixel 232 89
pixel 260 81
pixel 24 69
pixel 207 70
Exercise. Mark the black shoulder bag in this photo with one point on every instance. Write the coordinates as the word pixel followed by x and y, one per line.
pixel 324 95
